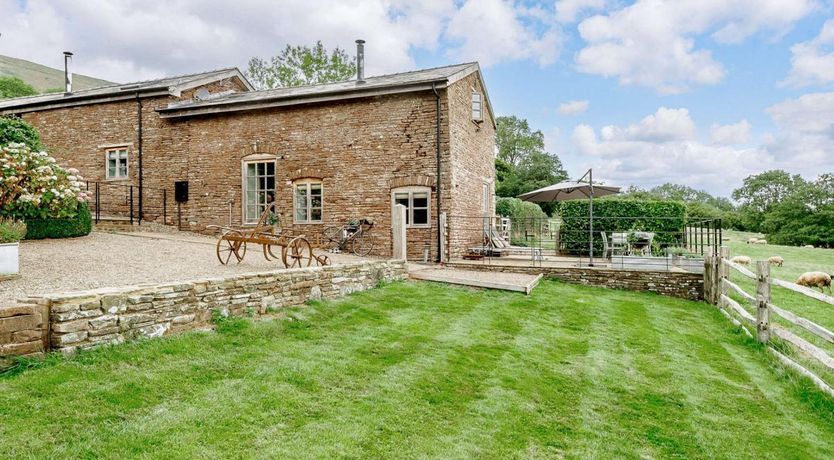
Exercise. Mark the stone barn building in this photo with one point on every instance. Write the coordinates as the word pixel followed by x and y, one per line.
pixel 326 153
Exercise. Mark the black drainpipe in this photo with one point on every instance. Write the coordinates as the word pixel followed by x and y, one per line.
pixel 437 145
pixel 139 145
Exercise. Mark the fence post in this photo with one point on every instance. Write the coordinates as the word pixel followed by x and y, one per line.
pixel 709 274
pixel 98 204
pixel 442 242
pixel 399 233
pixel 723 272
pixel 762 299
pixel 165 207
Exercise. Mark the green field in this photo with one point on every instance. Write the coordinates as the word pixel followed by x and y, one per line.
pixel 426 370
pixel 44 78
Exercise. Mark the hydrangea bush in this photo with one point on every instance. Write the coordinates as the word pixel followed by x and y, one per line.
pixel 33 186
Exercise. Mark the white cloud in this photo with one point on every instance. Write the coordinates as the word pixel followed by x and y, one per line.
pixel 663 147
pixel 662 126
pixel 573 107
pixel 568 10
pixel 737 133
pixel 493 31
pixel 653 42
pixel 132 39
pixel 812 62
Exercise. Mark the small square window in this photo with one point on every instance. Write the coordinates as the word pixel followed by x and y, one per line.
pixel 308 202
pixel 116 163
pixel 417 202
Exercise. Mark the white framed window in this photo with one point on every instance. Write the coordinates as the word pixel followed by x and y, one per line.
pixel 116 159
pixel 485 198
pixel 258 188
pixel 417 202
pixel 477 107
pixel 308 201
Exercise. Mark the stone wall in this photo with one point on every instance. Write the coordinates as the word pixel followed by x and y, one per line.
pixel 673 284
pixel 23 329
pixel 87 319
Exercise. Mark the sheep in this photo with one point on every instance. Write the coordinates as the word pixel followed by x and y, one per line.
pixel 776 260
pixel 741 260
pixel 760 242
pixel 808 246
pixel 819 280
pixel 752 240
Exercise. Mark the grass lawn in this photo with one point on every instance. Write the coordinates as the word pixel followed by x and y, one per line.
pixel 427 370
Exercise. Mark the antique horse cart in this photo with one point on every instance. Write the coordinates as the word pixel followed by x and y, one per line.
pixel 296 250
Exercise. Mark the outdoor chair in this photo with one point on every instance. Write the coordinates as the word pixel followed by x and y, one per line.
pixel 606 248
pixel 619 243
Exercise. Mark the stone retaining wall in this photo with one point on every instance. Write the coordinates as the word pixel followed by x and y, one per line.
pixel 674 284
pixel 86 319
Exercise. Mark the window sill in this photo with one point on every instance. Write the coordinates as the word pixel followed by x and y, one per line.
pixel 408 227
pixel 308 223
pixel 117 179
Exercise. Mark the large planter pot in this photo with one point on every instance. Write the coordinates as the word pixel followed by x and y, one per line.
pixel 9 259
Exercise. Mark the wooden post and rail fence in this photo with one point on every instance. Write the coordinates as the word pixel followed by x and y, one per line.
pixel 717 288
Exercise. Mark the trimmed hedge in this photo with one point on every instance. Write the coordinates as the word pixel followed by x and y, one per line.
pixel 516 209
pixel 80 225
pixel 665 218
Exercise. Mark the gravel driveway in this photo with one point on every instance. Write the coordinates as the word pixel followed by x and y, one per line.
pixel 115 259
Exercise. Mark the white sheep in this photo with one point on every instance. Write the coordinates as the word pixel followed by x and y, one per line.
pixel 809 246
pixel 776 260
pixel 741 260
pixel 815 280
pixel 760 242
pixel 752 240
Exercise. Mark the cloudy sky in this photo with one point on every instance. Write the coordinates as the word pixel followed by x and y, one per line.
pixel 699 92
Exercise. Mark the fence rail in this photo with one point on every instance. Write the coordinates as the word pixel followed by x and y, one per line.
pixel 717 287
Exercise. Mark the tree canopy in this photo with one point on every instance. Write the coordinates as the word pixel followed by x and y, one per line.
pixel 15 87
pixel 523 164
pixel 301 65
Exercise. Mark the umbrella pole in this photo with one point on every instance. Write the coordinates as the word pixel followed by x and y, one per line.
pixel 591 217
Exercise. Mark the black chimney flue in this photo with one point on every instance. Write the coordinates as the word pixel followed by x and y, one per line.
pixel 360 61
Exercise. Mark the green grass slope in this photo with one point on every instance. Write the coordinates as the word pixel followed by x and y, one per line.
pixel 421 370
pixel 44 78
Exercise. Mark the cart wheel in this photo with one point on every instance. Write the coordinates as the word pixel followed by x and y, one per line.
pixel 298 253
pixel 227 248
pixel 332 238
pixel 363 244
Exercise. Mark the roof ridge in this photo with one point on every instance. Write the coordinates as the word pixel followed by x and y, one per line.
pixel 116 85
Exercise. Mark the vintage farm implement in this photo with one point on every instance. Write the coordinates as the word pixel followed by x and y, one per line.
pixel 295 250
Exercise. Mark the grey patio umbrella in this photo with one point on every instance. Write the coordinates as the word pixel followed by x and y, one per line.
pixel 574 190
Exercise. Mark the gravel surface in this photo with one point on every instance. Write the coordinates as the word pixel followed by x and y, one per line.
pixel 116 259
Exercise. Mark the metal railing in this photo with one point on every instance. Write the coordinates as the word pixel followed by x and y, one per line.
pixel 629 243
pixel 122 201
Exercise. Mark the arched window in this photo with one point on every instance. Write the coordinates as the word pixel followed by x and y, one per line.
pixel 258 172
pixel 308 201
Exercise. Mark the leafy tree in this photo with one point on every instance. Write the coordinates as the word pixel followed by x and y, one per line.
pixel 515 140
pixel 15 87
pixel 301 65
pixel 806 216
pixel 761 191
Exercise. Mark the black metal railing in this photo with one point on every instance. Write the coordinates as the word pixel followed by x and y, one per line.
pixel 112 200
pixel 656 243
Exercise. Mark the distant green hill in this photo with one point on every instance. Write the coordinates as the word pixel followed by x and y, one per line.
pixel 43 78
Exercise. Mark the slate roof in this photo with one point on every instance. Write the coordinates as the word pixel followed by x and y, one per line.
pixel 168 84
pixel 383 84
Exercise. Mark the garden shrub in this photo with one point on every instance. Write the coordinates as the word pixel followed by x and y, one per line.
pixel 13 130
pixel 517 209
pixel 665 218
pixel 11 231
pixel 67 227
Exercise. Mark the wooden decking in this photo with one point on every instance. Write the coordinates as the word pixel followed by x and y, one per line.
pixel 490 280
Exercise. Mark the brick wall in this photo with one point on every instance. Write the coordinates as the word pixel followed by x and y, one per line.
pixel 359 148
pixel 112 315
pixel 673 284
pixel 473 165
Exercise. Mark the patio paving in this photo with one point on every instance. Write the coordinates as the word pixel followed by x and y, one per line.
pixel 491 280
pixel 103 259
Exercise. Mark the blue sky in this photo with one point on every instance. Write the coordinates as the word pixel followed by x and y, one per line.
pixel 700 92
